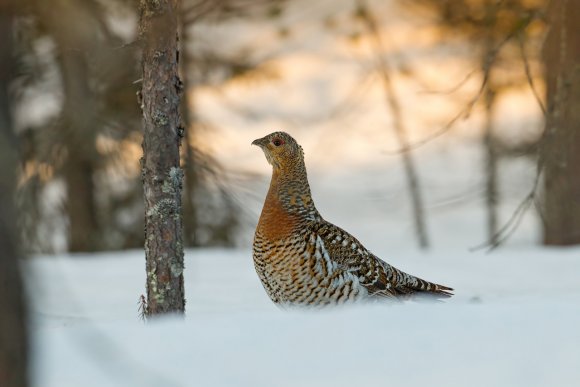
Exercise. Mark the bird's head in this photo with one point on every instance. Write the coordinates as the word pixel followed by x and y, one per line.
pixel 281 150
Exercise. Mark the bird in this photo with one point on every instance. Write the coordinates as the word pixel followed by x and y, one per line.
pixel 304 260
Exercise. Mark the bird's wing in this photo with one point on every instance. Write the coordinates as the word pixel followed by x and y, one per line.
pixel 377 276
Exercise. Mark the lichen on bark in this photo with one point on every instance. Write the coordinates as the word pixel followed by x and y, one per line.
pixel 162 176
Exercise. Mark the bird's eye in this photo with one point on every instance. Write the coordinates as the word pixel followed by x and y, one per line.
pixel 277 142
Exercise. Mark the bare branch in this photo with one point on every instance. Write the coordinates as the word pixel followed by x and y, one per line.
pixel 466 111
pixel 453 89
pixel 504 233
pixel 199 10
pixel 529 77
pixel 341 109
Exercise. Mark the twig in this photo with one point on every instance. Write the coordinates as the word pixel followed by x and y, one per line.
pixel 463 114
pixel 195 12
pixel 513 222
pixel 466 111
pixel 453 89
pixel 142 309
pixel 341 109
pixel 529 74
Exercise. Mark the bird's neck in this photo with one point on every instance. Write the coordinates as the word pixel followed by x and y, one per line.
pixel 290 190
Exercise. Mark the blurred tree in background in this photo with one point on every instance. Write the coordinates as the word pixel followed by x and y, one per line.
pixel 211 214
pixel 560 151
pixel 79 123
pixel 365 13
pixel 83 145
pixel 80 175
pixel 497 32
pixel 13 313
pixel 501 31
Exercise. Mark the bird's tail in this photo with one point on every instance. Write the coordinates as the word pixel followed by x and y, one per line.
pixel 393 282
pixel 416 286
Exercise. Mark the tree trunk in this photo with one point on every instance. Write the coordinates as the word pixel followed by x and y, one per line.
pixel 83 231
pixel 13 330
pixel 561 145
pixel 491 183
pixel 491 159
pixel 162 175
pixel 78 134
pixel 79 122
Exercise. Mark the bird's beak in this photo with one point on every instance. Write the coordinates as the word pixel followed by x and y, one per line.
pixel 261 142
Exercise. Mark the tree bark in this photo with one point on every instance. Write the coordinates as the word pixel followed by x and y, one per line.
pixel 561 144
pixel 13 330
pixel 162 175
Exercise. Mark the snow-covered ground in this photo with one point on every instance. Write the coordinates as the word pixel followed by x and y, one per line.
pixel 513 322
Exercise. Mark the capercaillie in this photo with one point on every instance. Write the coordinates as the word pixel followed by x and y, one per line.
pixel 302 259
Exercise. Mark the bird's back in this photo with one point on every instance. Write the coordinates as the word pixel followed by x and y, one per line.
pixel 321 264
pixel 376 276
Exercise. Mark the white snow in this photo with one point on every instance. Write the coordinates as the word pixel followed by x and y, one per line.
pixel 513 322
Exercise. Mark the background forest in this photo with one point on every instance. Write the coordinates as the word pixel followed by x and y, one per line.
pixel 443 132
pixel 470 64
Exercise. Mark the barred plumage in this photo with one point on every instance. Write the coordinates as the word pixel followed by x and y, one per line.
pixel 302 259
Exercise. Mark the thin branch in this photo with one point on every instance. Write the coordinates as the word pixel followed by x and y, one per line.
pixel 530 199
pixel 193 8
pixel 463 114
pixel 142 308
pixel 453 89
pixel 340 110
pixel 466 111
pixel 529 74
pixel 201 9
pixel 198 11
pixel 507 230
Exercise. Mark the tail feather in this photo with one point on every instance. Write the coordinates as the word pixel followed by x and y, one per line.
pixel 419 287
pixel 409 286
